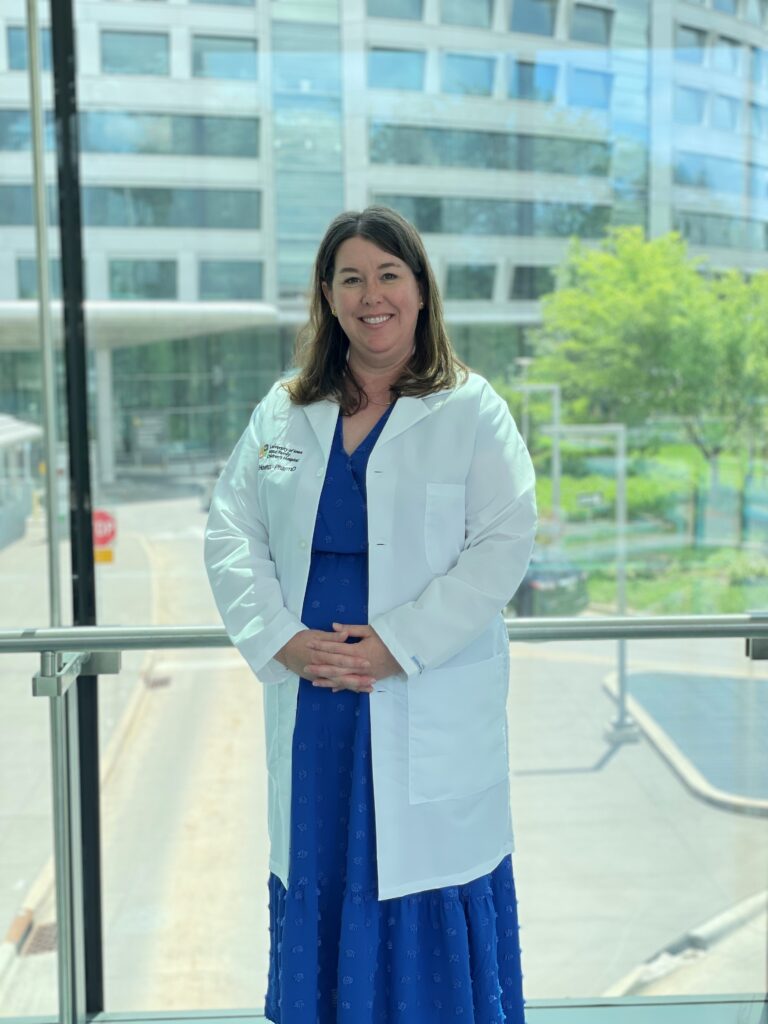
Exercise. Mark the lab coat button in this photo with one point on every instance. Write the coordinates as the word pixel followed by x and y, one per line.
pixel 302 544
pixel 320 472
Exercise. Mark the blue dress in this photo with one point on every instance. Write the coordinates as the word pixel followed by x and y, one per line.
pixel 338 955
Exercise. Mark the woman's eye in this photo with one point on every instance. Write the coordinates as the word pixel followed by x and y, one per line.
pixel 390 274
pixel 350 280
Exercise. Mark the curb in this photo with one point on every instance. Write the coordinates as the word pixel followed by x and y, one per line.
pixel 690 945
pixel 683 768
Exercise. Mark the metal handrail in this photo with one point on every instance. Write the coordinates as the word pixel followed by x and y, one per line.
pixel 659 627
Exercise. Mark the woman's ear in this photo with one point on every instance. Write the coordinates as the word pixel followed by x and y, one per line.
pixel 327 293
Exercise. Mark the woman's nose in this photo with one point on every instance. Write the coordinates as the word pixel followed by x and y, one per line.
pixel 370 294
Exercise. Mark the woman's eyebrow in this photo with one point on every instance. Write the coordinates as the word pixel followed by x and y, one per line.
pixel 354 270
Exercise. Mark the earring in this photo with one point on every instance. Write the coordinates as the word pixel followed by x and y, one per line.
pixel 333 310
pixel 421 305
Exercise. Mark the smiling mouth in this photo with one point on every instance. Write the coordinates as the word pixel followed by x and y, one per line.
pixel 373 321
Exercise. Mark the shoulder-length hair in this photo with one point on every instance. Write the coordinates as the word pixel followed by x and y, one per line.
pixel 322 346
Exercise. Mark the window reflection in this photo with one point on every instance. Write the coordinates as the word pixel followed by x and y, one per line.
pixel 16 37
pixel 134 53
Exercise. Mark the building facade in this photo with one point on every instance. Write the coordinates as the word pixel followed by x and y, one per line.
pixel 219 139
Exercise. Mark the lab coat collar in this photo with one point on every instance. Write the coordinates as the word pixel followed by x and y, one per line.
pixel 407 411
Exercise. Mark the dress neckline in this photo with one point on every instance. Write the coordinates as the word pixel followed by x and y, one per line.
pixel 370 437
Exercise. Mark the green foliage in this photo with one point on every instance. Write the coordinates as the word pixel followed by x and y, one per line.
pixel 637 331
pixel 645 497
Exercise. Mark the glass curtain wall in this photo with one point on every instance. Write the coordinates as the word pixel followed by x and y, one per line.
pixel 591 181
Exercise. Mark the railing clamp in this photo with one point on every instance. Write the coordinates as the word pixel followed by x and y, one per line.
pixel 757 646
pixel 56 675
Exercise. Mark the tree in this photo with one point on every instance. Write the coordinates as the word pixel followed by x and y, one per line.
pixel 638 330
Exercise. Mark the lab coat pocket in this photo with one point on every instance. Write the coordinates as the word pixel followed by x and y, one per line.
pixel 444 525
pixel 457 730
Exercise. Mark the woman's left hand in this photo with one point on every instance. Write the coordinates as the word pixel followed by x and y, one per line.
pixel 370 647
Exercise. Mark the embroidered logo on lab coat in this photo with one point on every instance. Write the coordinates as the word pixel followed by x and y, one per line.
pixel 280 457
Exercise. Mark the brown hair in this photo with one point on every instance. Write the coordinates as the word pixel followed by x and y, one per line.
pixel 322 346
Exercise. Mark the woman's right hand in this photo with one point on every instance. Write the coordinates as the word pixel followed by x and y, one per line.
pixel 344 668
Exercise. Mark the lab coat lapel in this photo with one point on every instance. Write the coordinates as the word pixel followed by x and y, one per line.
pixel 406 412
pixel 322 417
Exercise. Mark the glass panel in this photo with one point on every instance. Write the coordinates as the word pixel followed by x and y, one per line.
pixel 26 278
pixel 689 105
pixel 170 134
pixel 532 282
pixel 17 48
pixel 466 12
pixel 589 89
pixel 395 69
pixel 727 6
pixel 408 9
pixel 220 57
pixel 534 16
pixel 689 44
pixel 142 279
pixel 468 281
pixel 528 81
pixel 591 24
pixel 471 76
pixel 134 53
pixel 231 279
pixel 725 113
pixel 726 54
pixel 656 830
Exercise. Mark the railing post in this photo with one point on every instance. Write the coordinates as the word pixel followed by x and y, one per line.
pixel 67 847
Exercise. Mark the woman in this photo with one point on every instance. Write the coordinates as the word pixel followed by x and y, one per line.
pixel 369 528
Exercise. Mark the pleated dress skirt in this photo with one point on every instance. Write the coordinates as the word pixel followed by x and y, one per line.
pixel 339 955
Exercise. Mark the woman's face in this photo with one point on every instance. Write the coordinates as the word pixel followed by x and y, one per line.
pixel 376 297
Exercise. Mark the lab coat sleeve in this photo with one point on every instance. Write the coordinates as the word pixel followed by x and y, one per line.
pixel 500 500
pixel 239 565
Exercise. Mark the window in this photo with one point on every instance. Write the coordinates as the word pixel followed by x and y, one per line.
pixel 135 207
pixel 476 13
pixel 591 24
pixel 225 57
pixel 229 3
pixel 531 282
pixel 725 113
pixel 410 10
pixel 232 280
pixel 529 81
pixel 720 231
pixel 470 281
pixel 16 130
pixel 725 54
pixel 536 17
pixel 718 174
pixel 589 89
pixel 689 105
pixel 26 277
pixel 689 44
pixel 755 11
pixel 169 134
pixel 396 69
pixel 758 121
pixel 759 66
pixel 726 6
pixel 134 53
pixel 17 48
pixel 471 216
pixel 471 76
pixel 142 279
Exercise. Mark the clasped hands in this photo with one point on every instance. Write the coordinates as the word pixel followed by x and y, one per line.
pixel 327 660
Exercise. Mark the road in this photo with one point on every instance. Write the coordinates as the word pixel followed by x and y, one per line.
pixel 616 858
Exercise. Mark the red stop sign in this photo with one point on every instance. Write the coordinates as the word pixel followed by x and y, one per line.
pixel 104 528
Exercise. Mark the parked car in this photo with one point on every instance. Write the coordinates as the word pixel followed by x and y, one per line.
pixel 552 586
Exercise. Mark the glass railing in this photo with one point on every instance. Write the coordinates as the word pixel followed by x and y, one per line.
pixel 639 777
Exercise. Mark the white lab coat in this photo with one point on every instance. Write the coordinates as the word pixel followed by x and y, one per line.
pixel 451 522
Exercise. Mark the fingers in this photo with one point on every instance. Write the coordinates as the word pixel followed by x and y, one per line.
pixel 329 654
pixel 355 630
pixel 326 672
